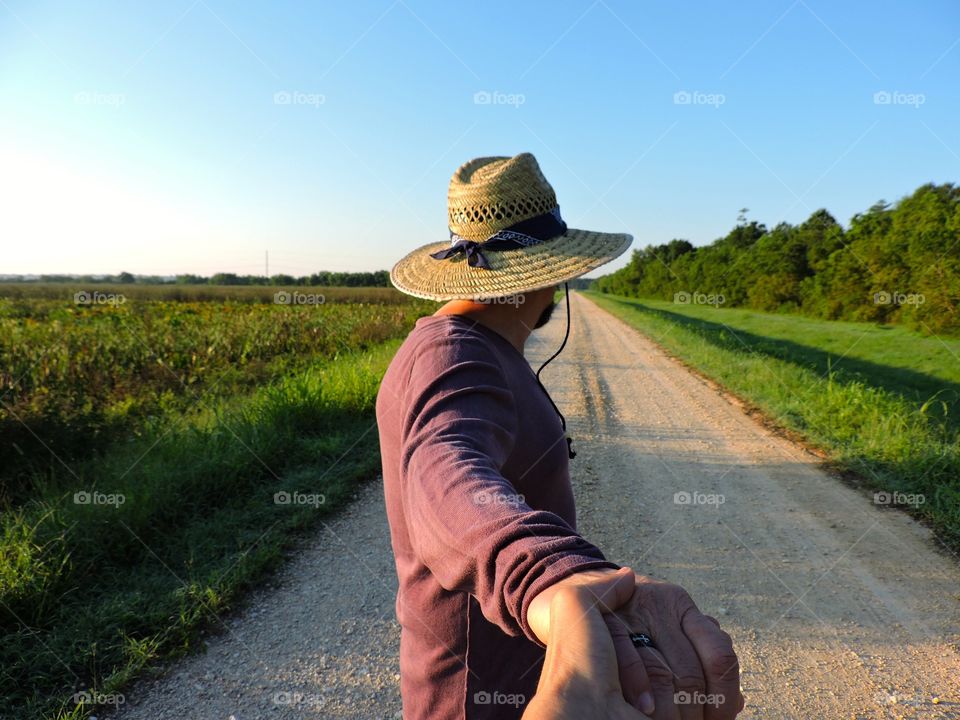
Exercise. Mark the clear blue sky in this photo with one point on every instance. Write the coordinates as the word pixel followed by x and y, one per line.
pixel 155 137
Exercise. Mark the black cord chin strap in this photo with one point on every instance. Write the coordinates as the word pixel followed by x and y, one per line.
pixel 563 423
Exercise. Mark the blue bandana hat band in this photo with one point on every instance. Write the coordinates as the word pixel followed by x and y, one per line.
pixel 525 233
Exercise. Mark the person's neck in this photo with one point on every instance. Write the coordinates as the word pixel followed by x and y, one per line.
pixel 512 322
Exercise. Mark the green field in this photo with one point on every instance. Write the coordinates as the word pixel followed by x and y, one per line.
pixel 76 375
pixel 235 293
pixel 882 401
pixel 158 456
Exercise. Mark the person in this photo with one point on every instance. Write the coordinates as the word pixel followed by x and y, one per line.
pixel 476 477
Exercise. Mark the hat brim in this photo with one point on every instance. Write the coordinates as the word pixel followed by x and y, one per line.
pixel 552 262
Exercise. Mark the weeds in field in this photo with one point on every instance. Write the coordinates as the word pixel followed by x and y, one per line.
pixel 145 445
pixel 75 378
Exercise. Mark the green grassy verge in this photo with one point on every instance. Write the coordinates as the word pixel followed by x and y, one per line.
pixel 882 403
pixel 93 589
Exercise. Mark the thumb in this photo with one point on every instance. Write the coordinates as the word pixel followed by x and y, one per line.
pixel 612 591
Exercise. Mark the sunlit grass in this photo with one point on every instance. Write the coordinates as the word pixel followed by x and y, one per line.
pixel 92 593
pixel 158 455
pixel 76 378
pixel 883 404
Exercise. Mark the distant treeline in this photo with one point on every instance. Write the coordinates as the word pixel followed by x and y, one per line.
pixel 581 283
pixel 897 263
pixel 324 278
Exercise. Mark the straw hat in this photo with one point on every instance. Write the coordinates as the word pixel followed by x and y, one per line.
pixel 507 237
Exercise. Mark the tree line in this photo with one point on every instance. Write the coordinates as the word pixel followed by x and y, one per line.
pixel 895 263
pixel 324 278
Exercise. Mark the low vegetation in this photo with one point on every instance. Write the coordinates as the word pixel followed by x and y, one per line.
pixel 883 402
pixel 80 372
pixel 159 457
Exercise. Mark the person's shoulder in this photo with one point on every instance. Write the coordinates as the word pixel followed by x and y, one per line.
pixel 451 338
pixel 447 354
pixel 442 326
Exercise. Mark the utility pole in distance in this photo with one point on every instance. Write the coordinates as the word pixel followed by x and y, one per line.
pixel 266 263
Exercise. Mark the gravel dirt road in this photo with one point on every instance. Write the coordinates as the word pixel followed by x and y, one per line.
pixel 839 608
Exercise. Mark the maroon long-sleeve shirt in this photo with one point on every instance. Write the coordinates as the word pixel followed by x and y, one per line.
pixel 481 517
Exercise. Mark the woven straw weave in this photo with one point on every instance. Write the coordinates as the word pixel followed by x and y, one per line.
pixel 487 195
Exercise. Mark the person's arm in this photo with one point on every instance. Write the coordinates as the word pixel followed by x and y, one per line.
pixel 466 522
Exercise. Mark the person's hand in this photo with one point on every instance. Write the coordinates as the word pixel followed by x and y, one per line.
pixel 580 674
pixel 692 669
pixel 633 676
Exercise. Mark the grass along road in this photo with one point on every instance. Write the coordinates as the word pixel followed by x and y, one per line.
pixel 881 401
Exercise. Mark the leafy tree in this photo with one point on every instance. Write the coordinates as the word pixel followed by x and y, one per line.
pixel 897 263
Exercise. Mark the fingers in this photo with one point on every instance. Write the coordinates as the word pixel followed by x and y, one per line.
pixel 580 672
pixel 742 702
pixel 578 637
pixel 721 668
pixel 634 681
pixel 687 676
pixel 578 643
pixel 608 594
pixel 661 679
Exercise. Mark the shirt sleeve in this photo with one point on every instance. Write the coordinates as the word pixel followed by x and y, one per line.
pixel 466 522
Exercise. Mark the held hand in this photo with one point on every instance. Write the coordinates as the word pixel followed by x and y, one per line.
pixel 580 675
pixel 632 674
pixel 692 667
pixel 693 673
